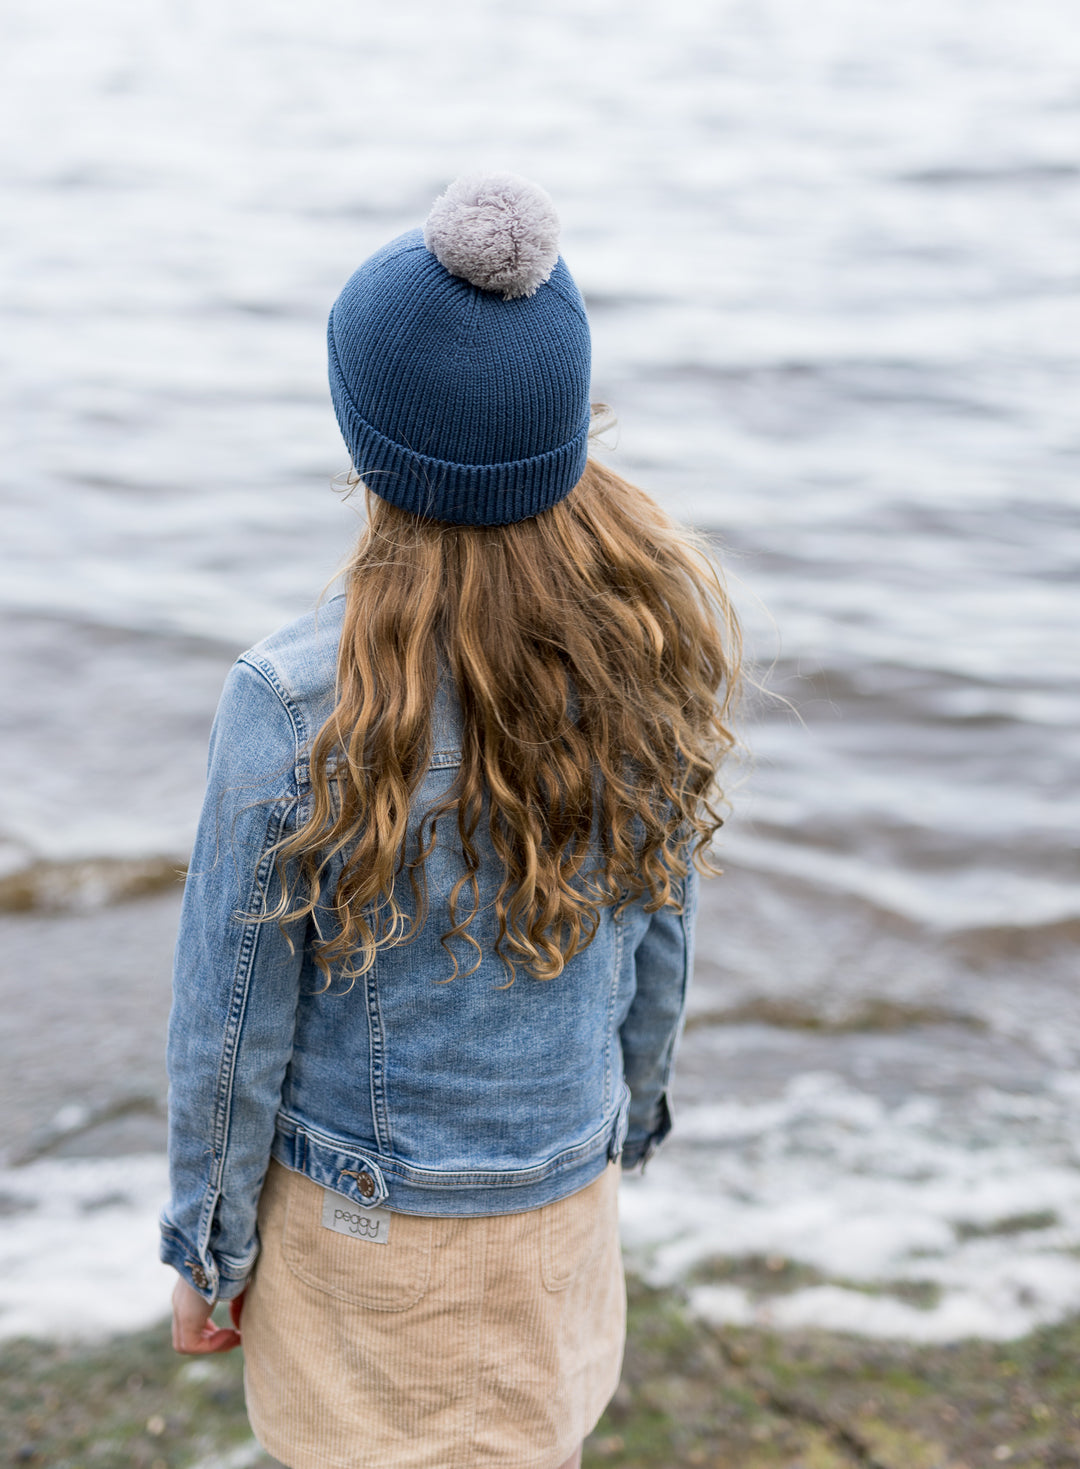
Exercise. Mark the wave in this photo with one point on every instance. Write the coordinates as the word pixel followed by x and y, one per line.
pixel 111 627
pixel 801 389
pixel 864 1013
pixel 1007 174
pixel 92 882
pixel 935 903
pixel 890 690
pixel 1015 942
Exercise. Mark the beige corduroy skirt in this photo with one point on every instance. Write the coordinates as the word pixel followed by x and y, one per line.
pixel 461 1343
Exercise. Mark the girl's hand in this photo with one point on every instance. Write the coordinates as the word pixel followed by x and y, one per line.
pixel 193 1333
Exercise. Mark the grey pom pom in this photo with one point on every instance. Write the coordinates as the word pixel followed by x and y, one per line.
pixel 496 230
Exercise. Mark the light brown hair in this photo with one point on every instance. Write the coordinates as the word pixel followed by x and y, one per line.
pixel 595 657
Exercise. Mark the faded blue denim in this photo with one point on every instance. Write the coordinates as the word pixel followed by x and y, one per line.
pixel 468 1097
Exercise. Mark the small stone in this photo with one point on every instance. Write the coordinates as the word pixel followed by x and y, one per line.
pixel 203 1369
pixel 613 1444
pixel 155 1426
pixel 1003 1452
pixel 623 1398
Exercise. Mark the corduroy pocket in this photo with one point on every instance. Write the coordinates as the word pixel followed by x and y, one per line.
pixel 382 1277
pixel 574 1231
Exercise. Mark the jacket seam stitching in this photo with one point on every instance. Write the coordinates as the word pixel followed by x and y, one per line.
pixel 234 1027
pixel 669 1053
pixel 269 675
pixel 609 1023
pixel 408 1173
pixel 377 1068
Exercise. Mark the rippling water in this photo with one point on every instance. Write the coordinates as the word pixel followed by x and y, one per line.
pixel 830 258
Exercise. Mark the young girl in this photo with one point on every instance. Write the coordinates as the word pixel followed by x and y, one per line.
pixel 438 925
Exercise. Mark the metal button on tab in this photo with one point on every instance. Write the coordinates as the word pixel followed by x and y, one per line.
pixel 198 1274
pixel 364 1181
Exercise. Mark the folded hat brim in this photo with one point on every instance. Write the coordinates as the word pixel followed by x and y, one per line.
pixel 461 494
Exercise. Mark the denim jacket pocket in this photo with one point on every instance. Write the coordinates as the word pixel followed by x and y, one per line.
pixel 388 1277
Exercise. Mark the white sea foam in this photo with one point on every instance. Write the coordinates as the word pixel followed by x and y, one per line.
pixel 78 1247
pixel 873 1198
pixel 877 1200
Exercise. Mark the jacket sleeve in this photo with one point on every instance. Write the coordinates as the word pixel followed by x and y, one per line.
pixel 650 1033
pixel 235 990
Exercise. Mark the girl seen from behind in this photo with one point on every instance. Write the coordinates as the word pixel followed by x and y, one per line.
pixel 438 924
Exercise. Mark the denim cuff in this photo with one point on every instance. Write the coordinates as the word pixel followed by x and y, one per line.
pixel 213 1280
pixel 639 1148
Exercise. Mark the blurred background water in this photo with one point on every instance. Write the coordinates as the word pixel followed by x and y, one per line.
pixel 829 253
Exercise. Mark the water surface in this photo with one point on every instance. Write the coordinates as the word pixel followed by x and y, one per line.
pixel 829 255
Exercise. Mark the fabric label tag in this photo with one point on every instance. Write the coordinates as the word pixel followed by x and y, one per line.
pixel 345 1218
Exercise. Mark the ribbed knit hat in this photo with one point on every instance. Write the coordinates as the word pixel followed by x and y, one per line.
pixel 459 360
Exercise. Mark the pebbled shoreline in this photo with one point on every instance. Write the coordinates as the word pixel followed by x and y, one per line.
pixel 691 1394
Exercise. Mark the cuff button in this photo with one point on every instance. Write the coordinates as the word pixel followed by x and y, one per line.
pixel 198 1274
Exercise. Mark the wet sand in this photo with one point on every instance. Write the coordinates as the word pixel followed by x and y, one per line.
pixel 84 1001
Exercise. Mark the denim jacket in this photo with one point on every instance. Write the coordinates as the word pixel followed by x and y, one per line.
pixel 429 1097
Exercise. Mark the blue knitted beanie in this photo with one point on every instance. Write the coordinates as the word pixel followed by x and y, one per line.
pixel 459 360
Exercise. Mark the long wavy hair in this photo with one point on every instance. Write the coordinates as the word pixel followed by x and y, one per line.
pixel 595 658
